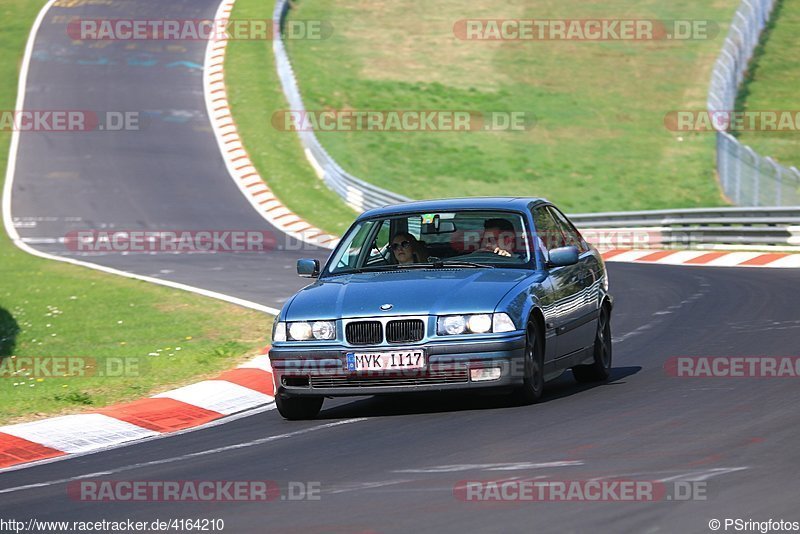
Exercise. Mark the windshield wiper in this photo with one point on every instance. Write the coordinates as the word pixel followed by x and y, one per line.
pixel 408 266
pixel 399 267
pixel 458 263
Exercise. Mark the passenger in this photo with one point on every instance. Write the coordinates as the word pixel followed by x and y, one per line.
pixel 499 237
pixel 407 249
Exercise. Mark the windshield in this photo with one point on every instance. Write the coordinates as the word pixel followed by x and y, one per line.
pixel 469 239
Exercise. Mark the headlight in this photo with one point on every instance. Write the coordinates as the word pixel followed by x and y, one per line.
pixel 324 330
pixel 480 323
pixel 305 331
pixel 452 325
pixel 300 331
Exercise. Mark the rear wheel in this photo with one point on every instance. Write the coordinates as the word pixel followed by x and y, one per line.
pixel 298 408
pixel 600 369
pixel 533 382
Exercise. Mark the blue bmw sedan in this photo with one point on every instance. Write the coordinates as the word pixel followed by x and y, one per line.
pixel 441 295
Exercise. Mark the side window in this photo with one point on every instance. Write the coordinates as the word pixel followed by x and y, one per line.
pixel 379 253
pixel 573 236
pixel 348 256
pixel 548 233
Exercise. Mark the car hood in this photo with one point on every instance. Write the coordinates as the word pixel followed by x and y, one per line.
pixel 417 292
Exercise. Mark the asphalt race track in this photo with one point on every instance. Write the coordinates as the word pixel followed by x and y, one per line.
pixel 167 175
pixel 390 465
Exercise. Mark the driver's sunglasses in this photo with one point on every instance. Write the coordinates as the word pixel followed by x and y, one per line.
pixel 402 244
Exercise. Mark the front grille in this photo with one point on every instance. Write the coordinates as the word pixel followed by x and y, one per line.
pixel 364 333
pixel 405 331
pixel 458 375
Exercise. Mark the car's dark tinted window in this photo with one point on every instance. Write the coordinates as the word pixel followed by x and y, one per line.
pixel 572 235
pixel 547 230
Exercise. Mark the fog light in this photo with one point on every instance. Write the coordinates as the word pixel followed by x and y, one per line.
pixel 484 374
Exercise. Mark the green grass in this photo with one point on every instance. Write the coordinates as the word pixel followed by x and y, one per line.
pixel 599 143
pixel 771 84
pixel 50 309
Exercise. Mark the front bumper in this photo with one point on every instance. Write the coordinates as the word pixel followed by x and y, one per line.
pixel 322 371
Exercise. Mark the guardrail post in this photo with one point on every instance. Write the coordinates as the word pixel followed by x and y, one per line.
pixel 796 184
pixel 756 174
pixel 778 179
pixel 737 185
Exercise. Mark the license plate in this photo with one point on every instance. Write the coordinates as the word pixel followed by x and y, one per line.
pixel 386 361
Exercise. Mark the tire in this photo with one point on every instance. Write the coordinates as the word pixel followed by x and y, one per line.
pixel 298 408
pixel 532 386
pixel 600 369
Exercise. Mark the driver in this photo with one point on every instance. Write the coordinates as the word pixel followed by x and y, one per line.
pixel 499 237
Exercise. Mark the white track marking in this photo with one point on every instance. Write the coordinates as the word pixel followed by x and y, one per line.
pixel 490 467
pixel 630 255
pixel 787 261
pixel 681 256
pixel 259 362
pixel 218 396
pixel 174 459
pixel 733 259
pixel 79 433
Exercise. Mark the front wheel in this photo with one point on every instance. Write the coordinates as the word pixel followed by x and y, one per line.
pixel 600 369
pixel 298 408
pixel 533 382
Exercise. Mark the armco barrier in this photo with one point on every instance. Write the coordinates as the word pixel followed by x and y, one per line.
pixel 729 228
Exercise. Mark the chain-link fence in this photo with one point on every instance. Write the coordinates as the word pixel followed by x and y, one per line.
pixel 747 178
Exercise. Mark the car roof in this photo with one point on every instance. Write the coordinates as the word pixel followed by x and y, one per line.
pixel 445 204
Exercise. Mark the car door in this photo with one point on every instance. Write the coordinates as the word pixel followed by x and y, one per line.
pixel 564 282
pixel 585 276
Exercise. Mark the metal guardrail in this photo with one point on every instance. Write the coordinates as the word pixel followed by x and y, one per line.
pixel 747 178
pixel 740 228
pixel 357 193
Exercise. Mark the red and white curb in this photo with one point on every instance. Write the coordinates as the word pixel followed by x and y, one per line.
pixel 244 388
pixel 237 160
pixel 704 258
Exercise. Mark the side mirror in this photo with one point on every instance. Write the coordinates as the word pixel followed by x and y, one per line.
pixel 561 257
pixel 308 268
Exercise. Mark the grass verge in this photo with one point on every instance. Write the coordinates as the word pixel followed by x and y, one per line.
pixel 599 143
pixel 55 313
